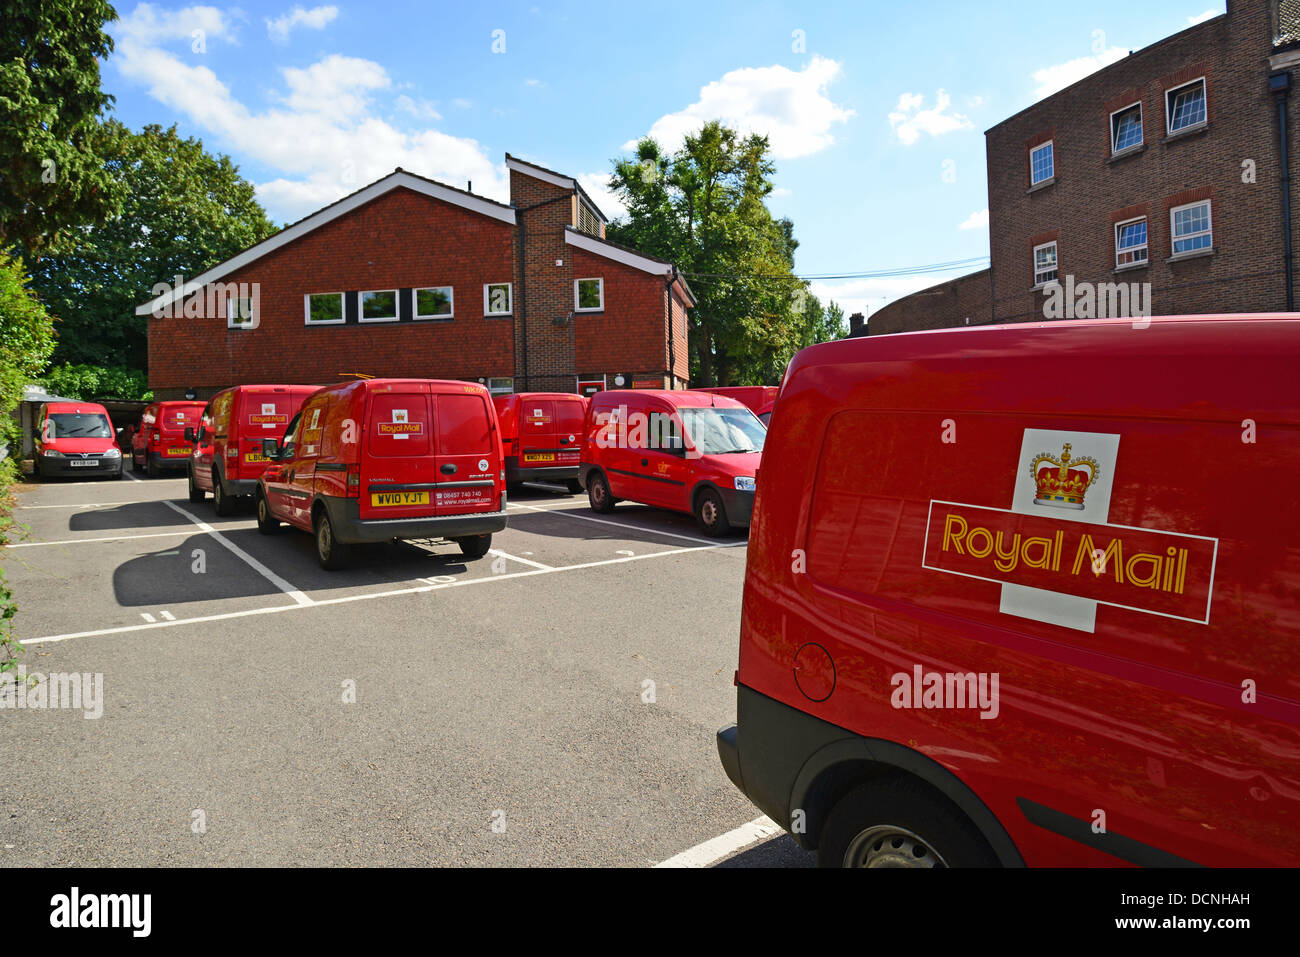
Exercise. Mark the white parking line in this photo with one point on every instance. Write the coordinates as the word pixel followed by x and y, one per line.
pixel 392 593
pixel 106 538
pixel 83 505
pixel 712 851
pixel 248 559
pixel 635 528
pixel 516 558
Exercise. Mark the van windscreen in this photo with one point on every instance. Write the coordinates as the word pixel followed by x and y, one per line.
pixel 715 431
pixel 81 425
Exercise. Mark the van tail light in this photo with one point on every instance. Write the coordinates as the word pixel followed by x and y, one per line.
pixel 354 481
pixel 232 452
pixel 157 436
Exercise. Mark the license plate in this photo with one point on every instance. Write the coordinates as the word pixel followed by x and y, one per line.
pixel 539 457
pixel 255 457
pixel 178 451
pixel 386 499
pixel 83 463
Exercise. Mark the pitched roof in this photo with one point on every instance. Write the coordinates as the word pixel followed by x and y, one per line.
pixel 627 256
pixel 555 179
pixel 399 178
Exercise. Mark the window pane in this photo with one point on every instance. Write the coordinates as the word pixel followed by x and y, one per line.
pixel 498 298
pixel 589 294
pixel 1041 162
pixel 1128 129
pixel 326 308
pixel 379 305
pixel 1188 107
pixel 1192 228
pixel 433 302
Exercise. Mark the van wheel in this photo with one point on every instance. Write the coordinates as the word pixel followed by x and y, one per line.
pixel 267 523
pixel 711 514
pixel 196 494
pixel 331 553
pixel 150 469
pixel 598 494
pixel 474 546
pixel 222 503
pixel 900 823
pixel 574 486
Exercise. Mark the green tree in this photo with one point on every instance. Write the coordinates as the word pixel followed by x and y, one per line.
pixel 185 210
pixel 704 209
pixel 87 382
pixel 52 174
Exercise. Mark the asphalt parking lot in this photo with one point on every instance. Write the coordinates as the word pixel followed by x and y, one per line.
pixel 553 703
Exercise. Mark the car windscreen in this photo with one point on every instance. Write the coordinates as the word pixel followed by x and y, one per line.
pixel 78 425
pixel 720 431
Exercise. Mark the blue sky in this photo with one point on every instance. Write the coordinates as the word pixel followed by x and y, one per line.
pixel 876 111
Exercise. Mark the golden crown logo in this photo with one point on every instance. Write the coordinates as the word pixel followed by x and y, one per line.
pixel 1065 485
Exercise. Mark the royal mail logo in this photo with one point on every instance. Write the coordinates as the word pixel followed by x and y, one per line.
pixel 1056 553
pixel 1065 484
pixel 265 419
pixel 400 428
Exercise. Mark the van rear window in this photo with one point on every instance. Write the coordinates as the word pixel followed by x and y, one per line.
pixel 568 415
pixel 463 425
pixel 399 424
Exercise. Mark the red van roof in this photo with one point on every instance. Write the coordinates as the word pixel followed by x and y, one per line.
pixel 680 398
pixel 53 407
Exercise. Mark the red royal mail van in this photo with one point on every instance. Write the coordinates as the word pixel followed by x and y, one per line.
pixel 756 398
pixel 227 459
pixel 686 451
pixel 159 442
pixel 1030 594
pixel 75 438
pixel 541 434
pixel 384 459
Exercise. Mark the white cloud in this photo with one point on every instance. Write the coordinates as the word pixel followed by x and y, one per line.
pixel 1053 79
pixel 609 203
pixel 149 24
pixel 909 120
pixel 979 220
pixel 791 107
pixel 321 136
pixel 532 82
pixel 316 19
pixel 779 191
pixel 1202 17
pixel 422 109
pixel 461 103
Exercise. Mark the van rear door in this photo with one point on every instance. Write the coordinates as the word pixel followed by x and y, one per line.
pixel 569 417
pixel 467 462
pixel 263 414
pixel 397 461
pixel 537 446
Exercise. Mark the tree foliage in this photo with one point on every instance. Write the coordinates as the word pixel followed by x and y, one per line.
pixel 51 140
pixel 90 382
pixel 704 209
pixel 185 210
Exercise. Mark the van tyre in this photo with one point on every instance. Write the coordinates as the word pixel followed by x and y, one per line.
pixel 598 494
pixel 267 523
pixel 222 503
pixel 474 546
pixel 196 494
pixel 900 823
pixel 711 514
pixel 331 553
pixel 150 469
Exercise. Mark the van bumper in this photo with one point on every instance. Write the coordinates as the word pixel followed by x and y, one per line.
pixel 552 473
pixel 739 505
pixel 168 461
pixel 239 487
pixel 55 466
pixel 351 529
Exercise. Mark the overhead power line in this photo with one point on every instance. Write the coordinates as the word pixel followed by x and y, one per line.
pixel 861 274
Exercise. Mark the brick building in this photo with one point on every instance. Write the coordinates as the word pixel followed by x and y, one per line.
pixel 410 277
pixel 1161 174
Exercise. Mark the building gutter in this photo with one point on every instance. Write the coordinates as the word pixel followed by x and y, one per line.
pixel 1279 85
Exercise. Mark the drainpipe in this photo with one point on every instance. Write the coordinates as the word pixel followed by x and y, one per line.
pixel 668 301
pixel 1279 84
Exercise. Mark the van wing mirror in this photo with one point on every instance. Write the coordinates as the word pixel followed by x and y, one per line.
pixel 271 448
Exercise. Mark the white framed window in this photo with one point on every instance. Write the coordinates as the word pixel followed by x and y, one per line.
pixel 588 295
pixel 1126 128
pixel 497 299
pixel 323 308
pixel 501 385
pixel 1190 227
pixel 379 306
pixel 434 302
pixel 1185 106
pixel 1131 242
pixel 1042 163
pixel 239 314
pixel 1045 266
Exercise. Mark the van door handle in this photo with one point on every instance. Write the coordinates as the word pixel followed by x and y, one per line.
pixel 645 461
pixel 448 469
